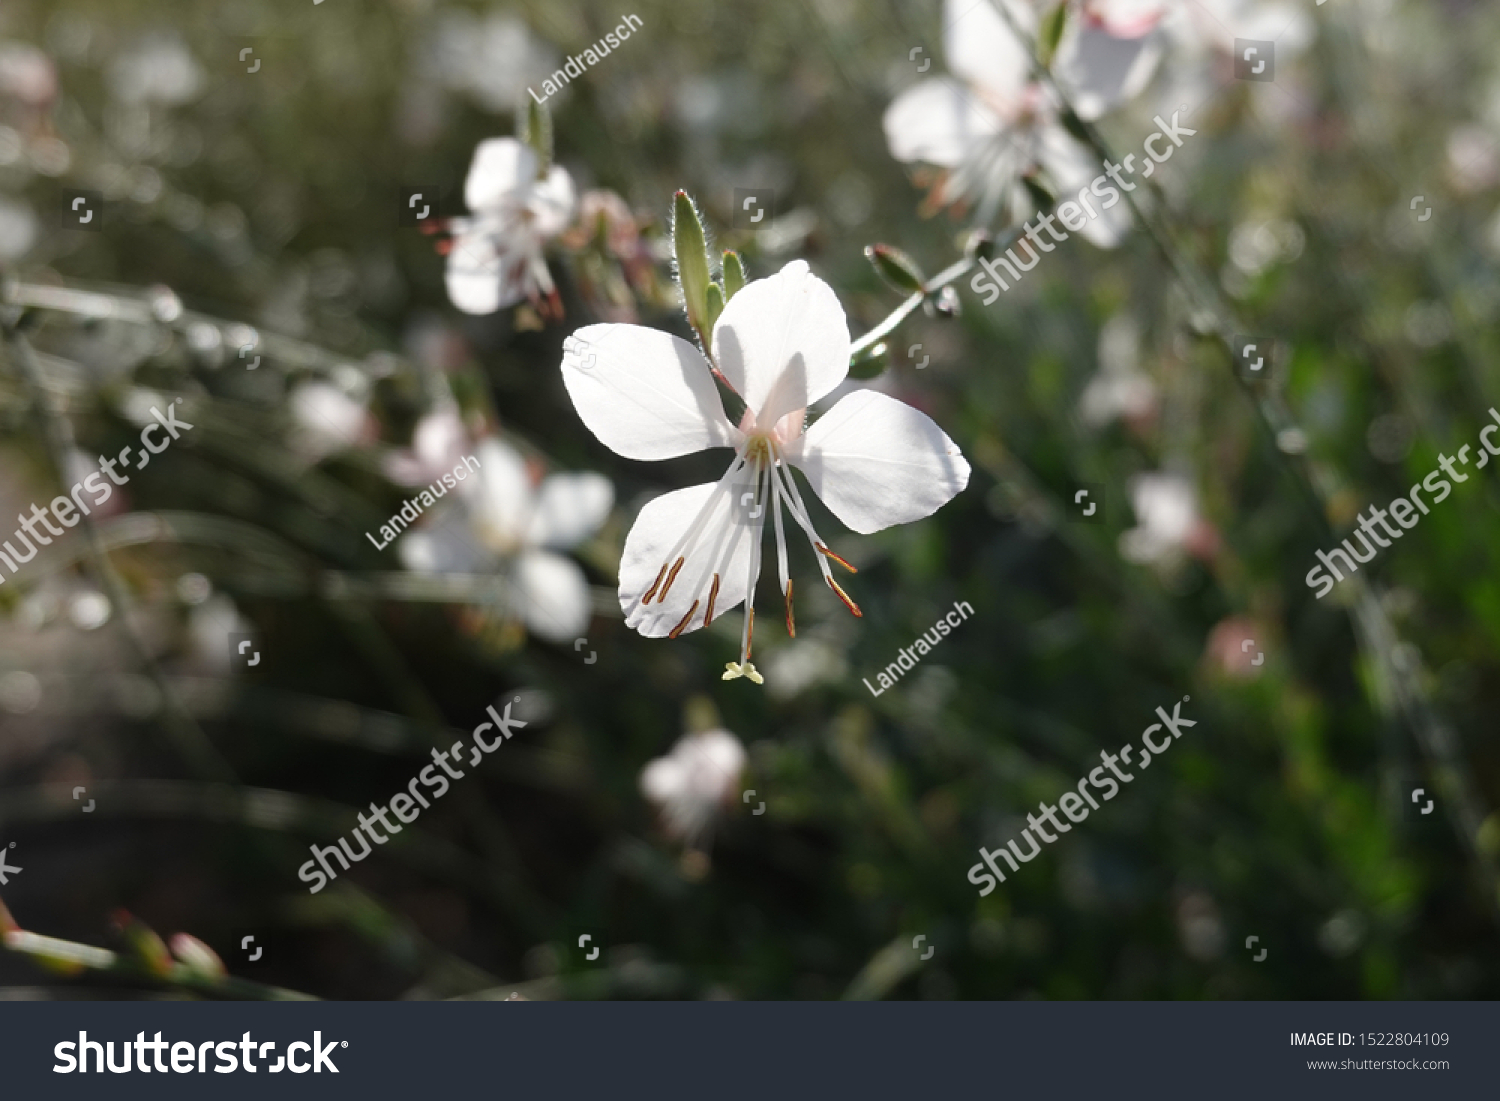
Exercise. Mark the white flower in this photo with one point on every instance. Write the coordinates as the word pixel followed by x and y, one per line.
pixel 26 73
pixel 781 344
pixel 997 125
pixel 492 58
pixel 1166 508
pixel 19 228
pixel 1124 18
pixel 157 67
pixel 1121 388
pixel 325 420
pixel 438 444
pixel 496 258
pixel 1215 24
pixel 500 518
pixel 694 780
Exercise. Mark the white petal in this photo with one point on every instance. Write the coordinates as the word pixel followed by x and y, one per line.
pixel 552 203
pixel 876 461
pixel 1110 228
pixel 1128 18
pixel 645 394
pixel 653 535
pixel 446 547
pixel 552 596
pixel 499 494
pixel 502 171
pixel 938 122
pixel 664 779
pixel 437 443
pixel 1099 70
pixel 1072 168
pixel 980 46
pixel 1288 26
pixel 783 342
pixel 570 508
pixel 717 758
pixel 475 273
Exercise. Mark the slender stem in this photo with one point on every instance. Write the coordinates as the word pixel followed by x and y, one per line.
pixel 71 956
pixel 955 271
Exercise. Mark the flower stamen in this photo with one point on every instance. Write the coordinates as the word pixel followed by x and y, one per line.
pixel 791 623
pixel 713 594
pixel 652 591
pixel 677 630
pixel 853 607
pixel 670 578
pixel 837 558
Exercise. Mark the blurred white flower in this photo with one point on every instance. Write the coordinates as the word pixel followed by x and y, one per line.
pixel 694 781
pixel 210 624
pixel 18 228
pixel 996 125
pixel 1121 388
pixel 1124 18
pixel 157 67
pixel 493 59
pixel 1199 25
pixel 1108 52
pixel 496 255
pixel 781 343
pixel 26 74
pixel 501 519
pixel 1473 160
pixel 438 444
pixel 803 664
pixel 325 420
pixel 1167 521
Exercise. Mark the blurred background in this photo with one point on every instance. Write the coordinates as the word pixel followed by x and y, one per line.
pixel 250 209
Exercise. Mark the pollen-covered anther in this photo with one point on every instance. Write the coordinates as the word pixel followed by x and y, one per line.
pixel 734 670
pixel 837 558
pixel 853 607
pixel 652 590
pixel 791 623
pixel 677 630
pixel 671 577
pixel 713 594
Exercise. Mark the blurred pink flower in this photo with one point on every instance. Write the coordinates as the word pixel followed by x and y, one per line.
pixel 1234 646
